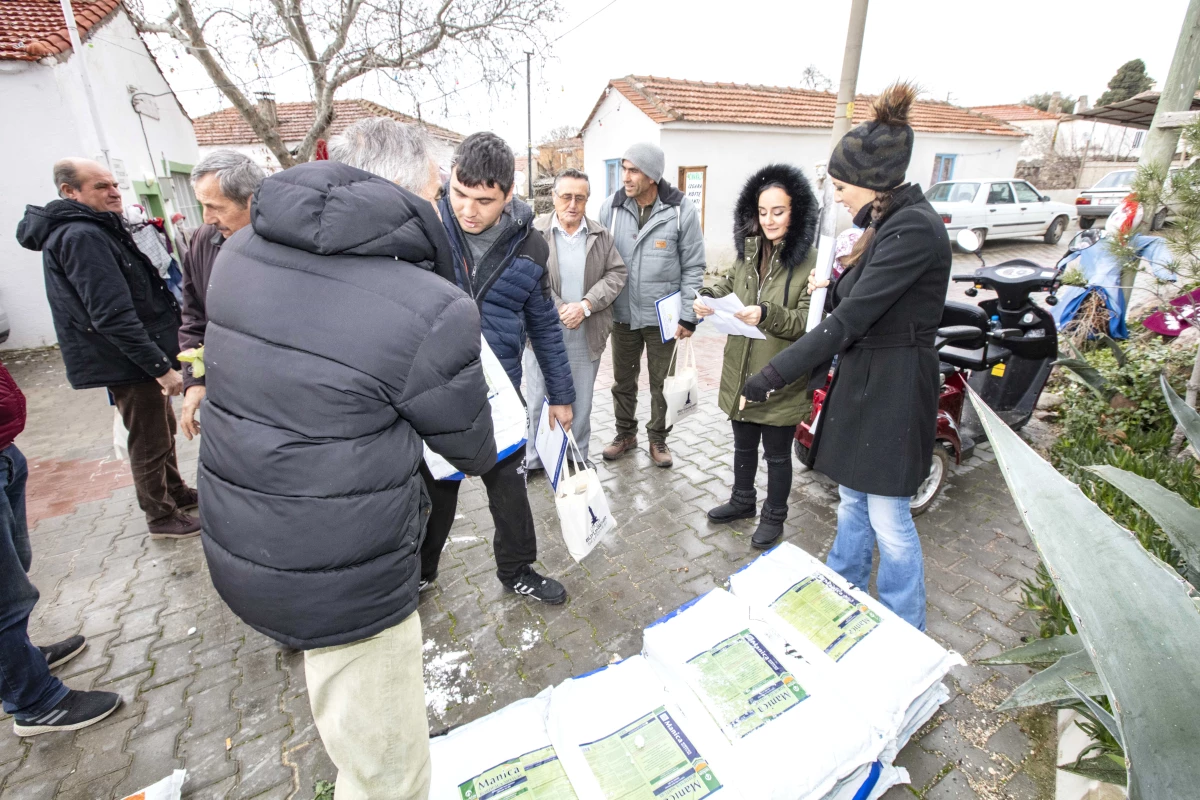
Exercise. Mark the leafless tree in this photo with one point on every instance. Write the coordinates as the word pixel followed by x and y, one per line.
pixel 813 78
pixel 559 133
pixel 417 43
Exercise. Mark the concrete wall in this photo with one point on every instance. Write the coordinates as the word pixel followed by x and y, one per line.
pixel 48 119
pixel 976 156
pixel 617 124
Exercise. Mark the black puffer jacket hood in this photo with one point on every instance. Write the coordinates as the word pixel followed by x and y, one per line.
pixel 333 356
pixel 328 208
pixel 39 223
pixel 802 232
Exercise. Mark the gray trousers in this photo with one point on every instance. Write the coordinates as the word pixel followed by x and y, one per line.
pixel 583 375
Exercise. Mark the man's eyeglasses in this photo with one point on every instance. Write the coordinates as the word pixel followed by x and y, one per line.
pixel 573 198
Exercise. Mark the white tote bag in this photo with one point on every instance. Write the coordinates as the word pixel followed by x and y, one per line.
pixel 582 507
pixel 682 388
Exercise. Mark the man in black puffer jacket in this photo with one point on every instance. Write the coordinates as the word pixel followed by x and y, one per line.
pixel 117 324
pixel 331 351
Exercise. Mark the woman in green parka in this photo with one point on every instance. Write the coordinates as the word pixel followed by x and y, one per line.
pixel 775 224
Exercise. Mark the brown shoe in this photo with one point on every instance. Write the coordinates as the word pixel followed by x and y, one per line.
pixel 187 500
pixel 620 446
pixel 661 454
pixel 176 526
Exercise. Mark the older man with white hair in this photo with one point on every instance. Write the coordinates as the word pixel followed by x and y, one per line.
pixel 406 155
pixel 224 182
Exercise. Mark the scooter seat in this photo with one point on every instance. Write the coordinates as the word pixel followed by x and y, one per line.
pixel 974 359
pixel 946 369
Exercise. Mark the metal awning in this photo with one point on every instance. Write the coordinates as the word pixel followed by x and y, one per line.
pixel 1136 112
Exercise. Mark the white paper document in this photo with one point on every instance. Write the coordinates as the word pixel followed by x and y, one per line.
pixel 723 318
pixel 551 445
pixel 669 308
pixel 822 271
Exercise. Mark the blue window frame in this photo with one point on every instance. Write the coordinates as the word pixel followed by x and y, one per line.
pixel 612 176
pixel 943 167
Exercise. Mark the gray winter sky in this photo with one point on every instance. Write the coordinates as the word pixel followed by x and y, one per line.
pixel 972 52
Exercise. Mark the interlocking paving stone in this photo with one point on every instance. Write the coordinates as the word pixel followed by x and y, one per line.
pixel 190 692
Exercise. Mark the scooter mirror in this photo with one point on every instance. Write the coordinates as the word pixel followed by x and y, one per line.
pixel 968 240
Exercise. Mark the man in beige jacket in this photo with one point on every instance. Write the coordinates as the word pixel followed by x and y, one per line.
pixel 586 274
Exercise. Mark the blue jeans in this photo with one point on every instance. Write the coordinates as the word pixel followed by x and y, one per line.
pixel 26 685
pixel 865 520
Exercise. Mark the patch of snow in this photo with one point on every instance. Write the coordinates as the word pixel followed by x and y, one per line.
pixel 529 637
pixel 444 674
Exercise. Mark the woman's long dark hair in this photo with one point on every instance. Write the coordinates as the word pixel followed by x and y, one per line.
pixel 880 207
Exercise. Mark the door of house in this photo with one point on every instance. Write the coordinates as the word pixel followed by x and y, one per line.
pixel 943 167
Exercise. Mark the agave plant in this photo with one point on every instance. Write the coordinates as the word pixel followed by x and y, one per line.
pixel 1135 662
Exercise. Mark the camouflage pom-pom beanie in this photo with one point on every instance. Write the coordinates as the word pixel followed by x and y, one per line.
pixel 875 155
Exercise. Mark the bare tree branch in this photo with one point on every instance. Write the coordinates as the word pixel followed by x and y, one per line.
pixel 419 43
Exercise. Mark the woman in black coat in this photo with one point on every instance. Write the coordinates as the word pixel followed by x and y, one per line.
pixel 877 427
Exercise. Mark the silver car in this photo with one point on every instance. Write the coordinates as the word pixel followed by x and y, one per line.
pixel 1103 198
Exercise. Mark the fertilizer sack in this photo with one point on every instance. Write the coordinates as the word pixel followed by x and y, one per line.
pixel 506 754
pixel 836 626
pixel 719 663
pixel 621 737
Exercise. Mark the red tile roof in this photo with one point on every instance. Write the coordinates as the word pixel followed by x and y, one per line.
pixel 667 100
pixel 1015 112
pixel 228 127
pixel 34 29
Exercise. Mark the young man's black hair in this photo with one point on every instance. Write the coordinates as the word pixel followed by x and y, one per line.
pixel 484 159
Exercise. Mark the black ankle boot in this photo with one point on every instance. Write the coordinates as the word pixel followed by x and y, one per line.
pixel 770 526
pixel 741 505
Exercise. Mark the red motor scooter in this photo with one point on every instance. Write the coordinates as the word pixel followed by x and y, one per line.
pixel 1004 348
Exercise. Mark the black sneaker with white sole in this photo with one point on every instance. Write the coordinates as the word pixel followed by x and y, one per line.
pixel 531 584
pixel 60 653
pixel 76 710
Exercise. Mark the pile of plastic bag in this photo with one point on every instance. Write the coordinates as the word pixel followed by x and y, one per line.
pixel 792 685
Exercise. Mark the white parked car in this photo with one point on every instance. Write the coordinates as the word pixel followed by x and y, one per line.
pixel 1000 209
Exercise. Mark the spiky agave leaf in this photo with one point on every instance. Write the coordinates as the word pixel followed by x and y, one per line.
pixel 1179 521
pixel 1140 627
pixel 1054 683
pixel 1186 416
pixel 1039 651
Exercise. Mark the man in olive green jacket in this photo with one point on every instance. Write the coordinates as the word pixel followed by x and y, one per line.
pixel 585 273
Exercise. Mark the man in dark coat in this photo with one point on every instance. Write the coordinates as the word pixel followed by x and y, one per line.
pixel 118 327
pixel 224 181
pixel 38 701
pixel 331 352
pixel 501 262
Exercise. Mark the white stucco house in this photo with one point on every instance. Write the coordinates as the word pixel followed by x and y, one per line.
pixel 715 135
pixel 226 130
pixel 151 147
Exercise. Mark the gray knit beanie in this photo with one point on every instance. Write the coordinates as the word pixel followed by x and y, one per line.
pixel 876 154
pixel 649 158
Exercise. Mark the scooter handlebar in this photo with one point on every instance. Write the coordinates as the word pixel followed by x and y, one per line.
pixel 963 278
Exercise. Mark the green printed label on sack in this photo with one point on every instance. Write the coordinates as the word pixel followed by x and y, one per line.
pixel 744 686
pixel 650 759
pixel 827 615
pixel 534 776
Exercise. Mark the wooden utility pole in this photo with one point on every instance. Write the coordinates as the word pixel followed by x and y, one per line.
pixel 529 123
pixel 86 80
pixel 1177 94
pixel 842 119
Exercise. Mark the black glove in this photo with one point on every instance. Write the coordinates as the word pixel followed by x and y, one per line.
pixel 760 385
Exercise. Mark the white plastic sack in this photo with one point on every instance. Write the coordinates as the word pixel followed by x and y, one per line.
pixel 842 629
pixel 582 507
pixel 870 782
pixel 509 424
pixel 682 389
pixel 720 663
pixel 619 735
pixel 506 754
pixel 120 437
pixel 169 788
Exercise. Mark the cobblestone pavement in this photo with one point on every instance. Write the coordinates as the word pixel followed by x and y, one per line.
pixel 205 692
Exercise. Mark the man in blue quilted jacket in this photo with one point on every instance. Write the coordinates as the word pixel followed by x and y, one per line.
pixel 500 260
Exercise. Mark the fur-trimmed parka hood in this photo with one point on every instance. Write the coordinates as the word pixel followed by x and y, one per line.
pixel 802 232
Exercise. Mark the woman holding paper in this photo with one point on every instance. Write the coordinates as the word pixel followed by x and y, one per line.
pixel 876 432
pixel 775 223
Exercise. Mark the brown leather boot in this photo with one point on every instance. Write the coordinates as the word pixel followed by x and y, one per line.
pixel 661 454
pixel 176 526
pixel 620 446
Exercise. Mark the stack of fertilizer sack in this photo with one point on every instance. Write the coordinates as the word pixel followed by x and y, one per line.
pixel 793 685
